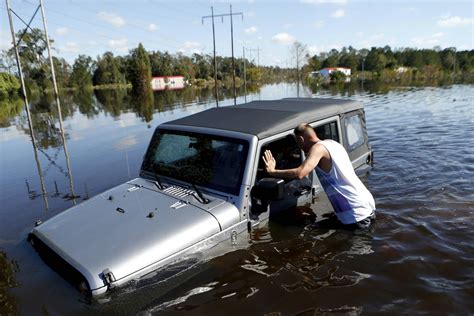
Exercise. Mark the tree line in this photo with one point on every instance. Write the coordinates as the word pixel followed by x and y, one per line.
pixel 380 59
pixel 136 68
pixel 139 65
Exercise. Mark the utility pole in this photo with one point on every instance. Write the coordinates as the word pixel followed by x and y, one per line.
pixel 25 97
pixel 215 61
pixel 245 76
pixel 232 44
pixel 53 75
pixel 258 54
pixel 58 104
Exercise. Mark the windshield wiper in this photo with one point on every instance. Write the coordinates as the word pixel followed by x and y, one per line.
pixel 199 196
pixel 158 183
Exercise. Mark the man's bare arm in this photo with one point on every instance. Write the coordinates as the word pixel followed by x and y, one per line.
pixel 314 156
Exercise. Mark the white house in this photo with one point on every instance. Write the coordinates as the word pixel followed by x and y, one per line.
pixel 167 82
pixel 326 72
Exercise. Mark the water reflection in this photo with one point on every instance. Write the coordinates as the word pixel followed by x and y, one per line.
pixel 9 108
pixel 112 102
pixel 420 250
pixel 44 134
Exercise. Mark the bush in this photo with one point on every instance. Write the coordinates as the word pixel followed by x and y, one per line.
pixel 337 76
pixel 9 84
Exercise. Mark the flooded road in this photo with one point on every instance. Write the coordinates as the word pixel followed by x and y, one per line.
pixel 419 257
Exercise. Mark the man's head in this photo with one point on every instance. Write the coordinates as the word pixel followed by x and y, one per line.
pixel 305 136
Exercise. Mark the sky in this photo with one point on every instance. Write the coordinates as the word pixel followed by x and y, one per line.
pixel 267 29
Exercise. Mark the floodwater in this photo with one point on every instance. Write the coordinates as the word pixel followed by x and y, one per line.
pixel 418 258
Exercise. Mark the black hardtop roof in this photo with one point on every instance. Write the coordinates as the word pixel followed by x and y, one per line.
pixel 267 118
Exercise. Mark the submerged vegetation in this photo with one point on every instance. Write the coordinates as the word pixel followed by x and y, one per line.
pixel 8 268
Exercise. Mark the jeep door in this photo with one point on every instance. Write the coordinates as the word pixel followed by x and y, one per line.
pixel 288 155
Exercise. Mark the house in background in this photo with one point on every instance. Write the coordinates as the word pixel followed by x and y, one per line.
pixel 168 82
pixel 326 72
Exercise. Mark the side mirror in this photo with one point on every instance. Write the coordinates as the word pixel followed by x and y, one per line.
pixel 269 189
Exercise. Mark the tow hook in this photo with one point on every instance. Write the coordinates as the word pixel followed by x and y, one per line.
pixel 108 277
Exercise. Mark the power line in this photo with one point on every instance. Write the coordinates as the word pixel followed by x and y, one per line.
pixel 230 14
pixel 164 40
pixel 258 54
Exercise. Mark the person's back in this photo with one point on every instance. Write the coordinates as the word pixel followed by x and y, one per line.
pixel 351 200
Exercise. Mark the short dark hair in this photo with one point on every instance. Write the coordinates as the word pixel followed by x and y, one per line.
pixel 301 128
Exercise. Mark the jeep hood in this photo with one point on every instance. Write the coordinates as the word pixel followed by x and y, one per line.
pixel 130 228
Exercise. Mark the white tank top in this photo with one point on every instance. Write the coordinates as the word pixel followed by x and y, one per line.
pixel 350 199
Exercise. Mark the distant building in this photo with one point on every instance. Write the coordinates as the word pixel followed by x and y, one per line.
pixel 167 82
pixel 326 72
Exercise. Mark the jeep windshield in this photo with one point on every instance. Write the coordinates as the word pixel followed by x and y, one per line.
pixel 207 160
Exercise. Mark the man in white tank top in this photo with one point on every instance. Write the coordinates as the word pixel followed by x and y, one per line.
pixel 352 202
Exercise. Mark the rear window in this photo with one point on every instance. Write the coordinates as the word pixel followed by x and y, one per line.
pixel 354 132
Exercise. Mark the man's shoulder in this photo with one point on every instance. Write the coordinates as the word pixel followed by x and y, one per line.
pixel 319 148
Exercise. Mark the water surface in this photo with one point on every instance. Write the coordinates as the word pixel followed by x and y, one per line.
pixel 419 257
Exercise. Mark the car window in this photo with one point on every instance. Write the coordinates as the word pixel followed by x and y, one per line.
pixel 286 152
pixel 354 132
pixel 212 161
pixel 328 131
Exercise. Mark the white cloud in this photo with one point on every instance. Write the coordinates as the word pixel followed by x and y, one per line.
pixel 62 30
pixel 338 14
pixel 111 18
pixel 455 21
pixel 120 45
pixel 251 30
pixel 70 47
pixel 319 24
pixel 152 27
pixel 283 38
pixel 342 2
pixel 190 47
pixel 316 49
pixel 427 41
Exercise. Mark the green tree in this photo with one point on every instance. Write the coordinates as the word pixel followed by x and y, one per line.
pixel 108 71
pixel 8 83
pixel 184 66
pixel 348 58
pixel 82 71
pixel 140 69
pixel 162 64
pixel 375 60
pixel 202 66
pixel 332 59
pixel 337 76
pixel 448 58
pixel 62 70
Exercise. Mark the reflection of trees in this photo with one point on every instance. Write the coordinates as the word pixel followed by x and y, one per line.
pixel 165 100
pixel 7 281
pixel 83 98
pixel 45 120
pixel 143 103
pixel 9 108
pixel 112 100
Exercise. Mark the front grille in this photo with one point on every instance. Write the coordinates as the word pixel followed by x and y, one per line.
pixel 59 265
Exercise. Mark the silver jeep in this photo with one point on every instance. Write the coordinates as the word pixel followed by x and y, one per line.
pixel 201 183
